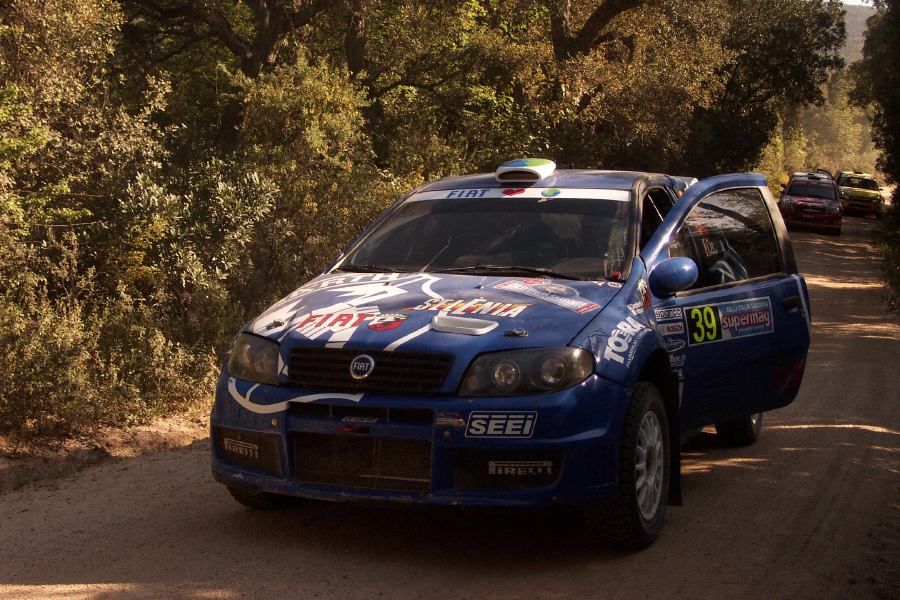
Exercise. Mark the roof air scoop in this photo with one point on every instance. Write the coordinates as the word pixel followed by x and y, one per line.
pixel 525 170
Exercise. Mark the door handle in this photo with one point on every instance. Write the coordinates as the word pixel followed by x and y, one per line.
pixel 791 302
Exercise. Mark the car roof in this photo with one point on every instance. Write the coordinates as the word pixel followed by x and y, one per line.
pixel 812 178
pixel 563 178
pixel 855 174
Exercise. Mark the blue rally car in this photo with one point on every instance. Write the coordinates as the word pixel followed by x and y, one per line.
pixel 528 337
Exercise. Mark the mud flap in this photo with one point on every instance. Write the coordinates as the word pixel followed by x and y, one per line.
pixel 675 452
pixel 675 467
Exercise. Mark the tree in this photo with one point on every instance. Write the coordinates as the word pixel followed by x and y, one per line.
pixel 877 79
pixel 782 53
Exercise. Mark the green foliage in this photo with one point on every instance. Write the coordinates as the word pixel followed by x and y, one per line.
pixel 834 136
pixel 890 246
pixel 877 78
pixel 168 168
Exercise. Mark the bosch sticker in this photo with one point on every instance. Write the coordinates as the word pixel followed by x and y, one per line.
pixel 670 328
pixel 729 320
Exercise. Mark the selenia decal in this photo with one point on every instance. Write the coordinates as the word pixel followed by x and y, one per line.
pixel 553 293
pixel 478 306
pixel 729 320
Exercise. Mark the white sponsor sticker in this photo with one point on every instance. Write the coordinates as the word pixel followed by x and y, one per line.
pixel 241 448
pixel 620 346
pixel 520 467
pixel 501 424
pixel 670 328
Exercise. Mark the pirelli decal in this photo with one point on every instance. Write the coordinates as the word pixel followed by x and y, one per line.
pixel 729 320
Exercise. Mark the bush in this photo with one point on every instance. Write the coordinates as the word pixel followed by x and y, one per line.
pixel 890 244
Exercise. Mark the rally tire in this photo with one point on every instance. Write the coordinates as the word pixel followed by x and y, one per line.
pixel 633 520
pixel 258 500
pixel 740 432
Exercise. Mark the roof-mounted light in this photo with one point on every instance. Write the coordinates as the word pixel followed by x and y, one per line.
pixel 525 170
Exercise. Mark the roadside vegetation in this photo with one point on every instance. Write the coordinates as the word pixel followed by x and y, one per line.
pixel 877 79
pixel 170 167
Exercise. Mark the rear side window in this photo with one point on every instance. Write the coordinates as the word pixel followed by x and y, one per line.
pixel 731 238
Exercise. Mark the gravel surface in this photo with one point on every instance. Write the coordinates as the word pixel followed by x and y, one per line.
pixel 811 511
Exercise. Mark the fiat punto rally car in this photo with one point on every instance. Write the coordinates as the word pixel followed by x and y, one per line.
pixel 522 338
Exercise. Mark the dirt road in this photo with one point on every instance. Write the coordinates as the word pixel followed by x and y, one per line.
pixel 811 511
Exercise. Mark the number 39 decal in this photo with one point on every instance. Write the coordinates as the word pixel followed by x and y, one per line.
pixel 704 325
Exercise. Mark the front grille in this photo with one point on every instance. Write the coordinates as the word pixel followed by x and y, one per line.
pixel 377 414
pixel 396 372
pixel 362 462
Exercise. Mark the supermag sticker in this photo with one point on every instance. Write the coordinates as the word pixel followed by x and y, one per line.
pixel 729 320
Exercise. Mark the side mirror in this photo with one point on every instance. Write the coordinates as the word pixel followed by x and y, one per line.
pixel 672 275
pixel 845 196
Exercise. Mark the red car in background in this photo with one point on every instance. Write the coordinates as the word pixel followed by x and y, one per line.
pixel 812 200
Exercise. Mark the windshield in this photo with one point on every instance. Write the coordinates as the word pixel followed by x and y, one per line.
pixel 858 182
pixel 568 237
pixel 811 190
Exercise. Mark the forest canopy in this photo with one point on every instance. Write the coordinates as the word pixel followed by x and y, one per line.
pixel 170 167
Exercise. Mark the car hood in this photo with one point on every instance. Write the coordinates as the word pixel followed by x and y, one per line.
pixel 391 311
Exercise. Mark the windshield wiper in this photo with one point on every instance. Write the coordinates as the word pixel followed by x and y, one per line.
pixel 367 269
pixel 508 270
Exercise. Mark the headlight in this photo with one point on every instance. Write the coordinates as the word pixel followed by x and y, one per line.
pixel 526 371
pixel 787 203
pixel 254 359
pixel 834 208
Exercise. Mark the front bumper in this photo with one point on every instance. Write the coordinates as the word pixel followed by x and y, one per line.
pixel 815 220
pixel 549 448
pixel 864 206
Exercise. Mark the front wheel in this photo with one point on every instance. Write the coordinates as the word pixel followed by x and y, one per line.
pixel 634 518
pixel 741 432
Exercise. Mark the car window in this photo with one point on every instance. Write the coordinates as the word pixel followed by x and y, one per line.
pixel 584 238
pixel 811 190
pixel 656 206
pixel 858 182
pixel 731 238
